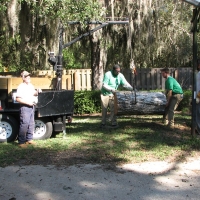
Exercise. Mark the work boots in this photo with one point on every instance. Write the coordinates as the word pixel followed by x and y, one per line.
pixel 168 124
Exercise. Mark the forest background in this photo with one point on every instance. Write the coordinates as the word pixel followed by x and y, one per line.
pixel 158 34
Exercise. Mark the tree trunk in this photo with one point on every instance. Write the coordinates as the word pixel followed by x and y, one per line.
pixel 127 102
pixel 97 63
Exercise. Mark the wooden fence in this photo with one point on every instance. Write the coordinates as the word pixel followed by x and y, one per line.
pixel 81 78
pixel 146 79
pixel 151 79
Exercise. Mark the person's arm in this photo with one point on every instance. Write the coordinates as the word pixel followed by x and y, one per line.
pixel 125 83
pixel 23 101
pixel 128 86
pixel 169 90
pixel 37 91
pixel 106 81
pixel 108 88
pixel 27 100
pixel 169 96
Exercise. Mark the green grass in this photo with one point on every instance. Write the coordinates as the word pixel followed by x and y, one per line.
pixel 138 139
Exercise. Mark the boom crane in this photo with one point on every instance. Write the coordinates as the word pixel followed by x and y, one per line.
pixel 57 61
pixel 50 113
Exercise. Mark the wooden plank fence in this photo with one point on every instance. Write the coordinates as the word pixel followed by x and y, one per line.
pixel 151 78
pixel 81 78
pixel 146 78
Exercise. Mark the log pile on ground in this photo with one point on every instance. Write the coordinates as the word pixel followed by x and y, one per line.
pixel 145 102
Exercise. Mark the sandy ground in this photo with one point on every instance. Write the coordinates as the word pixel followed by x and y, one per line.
pixel 147 181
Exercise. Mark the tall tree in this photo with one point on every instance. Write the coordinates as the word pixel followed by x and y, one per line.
pixel 158 30
pixel 158 33
pixel 37 25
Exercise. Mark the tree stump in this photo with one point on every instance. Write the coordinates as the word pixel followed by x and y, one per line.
pixel 145 102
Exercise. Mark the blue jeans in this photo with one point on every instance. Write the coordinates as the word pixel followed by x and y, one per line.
pixel 27 124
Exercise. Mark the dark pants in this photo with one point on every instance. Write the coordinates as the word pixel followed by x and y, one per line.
pixel 27 124
pixel 198 117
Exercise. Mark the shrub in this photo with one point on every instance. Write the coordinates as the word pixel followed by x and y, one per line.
pixel 185 104
pixel 87 102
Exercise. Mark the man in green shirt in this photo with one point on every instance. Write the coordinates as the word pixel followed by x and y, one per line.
pixel 111 81
pixel 174 94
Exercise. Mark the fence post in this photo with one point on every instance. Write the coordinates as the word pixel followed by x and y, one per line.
pixel 88 75
pixel 76 80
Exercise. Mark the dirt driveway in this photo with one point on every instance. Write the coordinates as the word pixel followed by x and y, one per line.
pixel 147 181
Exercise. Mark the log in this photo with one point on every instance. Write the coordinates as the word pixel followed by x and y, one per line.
pixel 145 102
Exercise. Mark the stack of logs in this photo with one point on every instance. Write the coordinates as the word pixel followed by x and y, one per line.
pixel 145 102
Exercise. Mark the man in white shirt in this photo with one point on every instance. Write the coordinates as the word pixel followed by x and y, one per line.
pixel 26 96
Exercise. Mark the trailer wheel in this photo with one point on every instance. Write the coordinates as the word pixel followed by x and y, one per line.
pixel 43 129
pixel 9 128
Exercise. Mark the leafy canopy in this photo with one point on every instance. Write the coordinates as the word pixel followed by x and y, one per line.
pixel 66 10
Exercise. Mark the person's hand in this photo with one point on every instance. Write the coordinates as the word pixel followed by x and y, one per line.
pixel 39 90
pixel 30 103
pixel 113 91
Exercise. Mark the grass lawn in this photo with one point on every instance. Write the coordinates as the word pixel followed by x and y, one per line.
pixel 139 138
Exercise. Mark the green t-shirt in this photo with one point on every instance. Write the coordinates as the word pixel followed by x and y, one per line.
pixel 112 81
pixel 172 84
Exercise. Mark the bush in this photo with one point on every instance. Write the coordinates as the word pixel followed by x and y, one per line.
pixel 87 102
pixel 185 104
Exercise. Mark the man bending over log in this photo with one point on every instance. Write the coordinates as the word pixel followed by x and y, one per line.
pixel 174 94
pixel 111 81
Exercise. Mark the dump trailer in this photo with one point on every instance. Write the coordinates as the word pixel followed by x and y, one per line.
pixel 53 110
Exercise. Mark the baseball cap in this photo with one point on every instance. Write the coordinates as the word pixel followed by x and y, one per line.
pixel 25 73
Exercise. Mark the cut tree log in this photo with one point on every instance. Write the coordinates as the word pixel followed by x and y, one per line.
pixel 145 102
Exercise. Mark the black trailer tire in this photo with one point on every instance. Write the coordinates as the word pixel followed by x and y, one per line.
pixel 43 129
pixel 9 128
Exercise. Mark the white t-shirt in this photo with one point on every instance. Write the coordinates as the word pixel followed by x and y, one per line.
pixel 26 92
